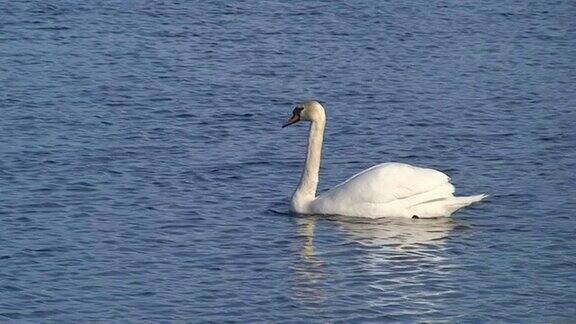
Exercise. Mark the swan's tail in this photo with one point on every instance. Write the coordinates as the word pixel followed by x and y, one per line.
pixel 455 203
pixel 444 206
pixel 465 201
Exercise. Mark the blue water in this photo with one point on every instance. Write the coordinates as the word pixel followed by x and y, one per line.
pixel 144 175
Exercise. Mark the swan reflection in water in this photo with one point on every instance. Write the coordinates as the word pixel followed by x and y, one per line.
pixel 309 270
pixel 397 233
pixel 380 253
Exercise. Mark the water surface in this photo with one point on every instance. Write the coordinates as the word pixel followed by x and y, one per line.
pixel 144 175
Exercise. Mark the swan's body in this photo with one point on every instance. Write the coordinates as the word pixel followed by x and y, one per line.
pixel 385 190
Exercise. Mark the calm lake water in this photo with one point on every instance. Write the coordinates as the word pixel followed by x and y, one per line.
pixel 144 176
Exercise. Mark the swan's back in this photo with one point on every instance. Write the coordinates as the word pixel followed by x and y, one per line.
pixel 387 182
pixel 385 189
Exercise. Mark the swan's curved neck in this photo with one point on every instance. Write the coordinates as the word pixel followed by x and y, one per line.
pixel 306 190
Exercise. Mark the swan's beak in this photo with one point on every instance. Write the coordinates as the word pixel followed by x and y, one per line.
pixel 294 119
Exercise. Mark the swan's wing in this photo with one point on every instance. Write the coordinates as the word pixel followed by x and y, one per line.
pixel 385 183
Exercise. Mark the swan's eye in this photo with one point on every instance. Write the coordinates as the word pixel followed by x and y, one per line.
pixel 297 111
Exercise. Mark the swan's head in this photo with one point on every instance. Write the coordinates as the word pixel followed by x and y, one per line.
pixel 310 110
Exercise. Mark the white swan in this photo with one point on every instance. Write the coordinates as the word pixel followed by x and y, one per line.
pixel 384 190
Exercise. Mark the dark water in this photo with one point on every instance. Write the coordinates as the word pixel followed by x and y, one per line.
pixel 144 175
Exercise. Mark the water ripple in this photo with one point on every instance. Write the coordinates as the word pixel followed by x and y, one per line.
pixel 145 177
